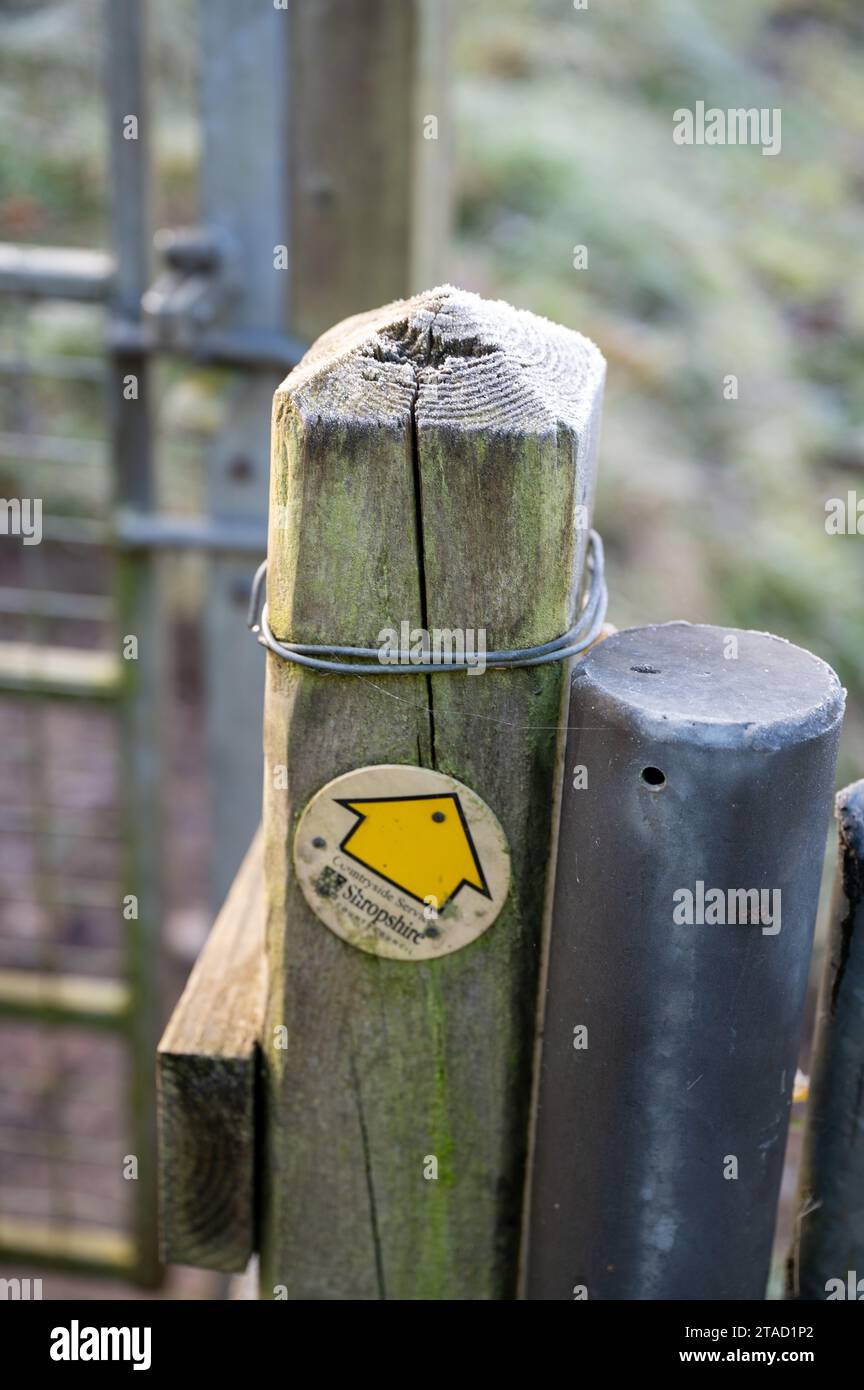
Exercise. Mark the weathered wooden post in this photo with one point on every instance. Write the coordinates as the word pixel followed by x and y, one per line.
pixel 699 769
pixel 827 1259
pixel 359 1109
pixel 433 463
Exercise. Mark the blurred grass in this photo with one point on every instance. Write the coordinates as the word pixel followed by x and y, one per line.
pixel 702 262
pixel 53 125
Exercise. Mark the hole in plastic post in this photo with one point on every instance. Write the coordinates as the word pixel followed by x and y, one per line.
pixel 653 778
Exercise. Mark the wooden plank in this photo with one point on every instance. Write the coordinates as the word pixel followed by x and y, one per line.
pixel 206 1071
pixel 63 999
pixel 78 1248
pixel 428 462
pixel 59 672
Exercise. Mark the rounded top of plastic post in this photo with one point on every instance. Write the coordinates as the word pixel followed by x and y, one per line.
pixel 723 686
pixel 452 360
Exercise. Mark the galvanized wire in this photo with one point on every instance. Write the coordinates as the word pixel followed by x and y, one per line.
pixel 317 657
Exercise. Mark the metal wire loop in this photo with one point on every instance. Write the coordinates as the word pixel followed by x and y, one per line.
pixel 318 657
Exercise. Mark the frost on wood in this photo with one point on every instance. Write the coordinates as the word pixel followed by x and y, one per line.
pixel 464 361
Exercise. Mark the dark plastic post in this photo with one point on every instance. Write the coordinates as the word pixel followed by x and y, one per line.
pixel 828 1252
pixel 700 766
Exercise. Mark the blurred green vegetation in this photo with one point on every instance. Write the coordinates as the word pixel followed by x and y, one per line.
pixel 702 262
pixel 53 127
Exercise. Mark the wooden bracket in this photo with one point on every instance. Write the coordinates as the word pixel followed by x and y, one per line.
pixel 207 1066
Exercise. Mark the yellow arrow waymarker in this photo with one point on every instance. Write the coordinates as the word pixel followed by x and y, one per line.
pixel 420 844
pixel 402 862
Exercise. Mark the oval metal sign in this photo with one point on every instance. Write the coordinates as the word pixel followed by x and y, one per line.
pixel 402 862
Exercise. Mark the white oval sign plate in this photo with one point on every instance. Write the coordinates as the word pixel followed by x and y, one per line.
pixel 402 862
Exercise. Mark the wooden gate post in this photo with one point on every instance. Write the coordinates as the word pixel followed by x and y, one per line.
pixel 433 462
